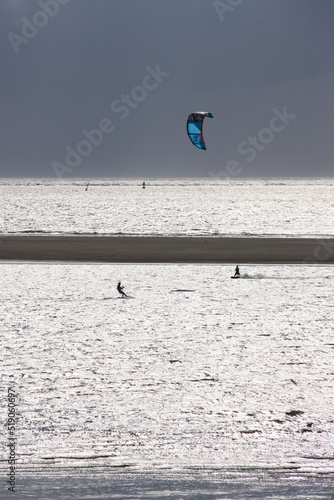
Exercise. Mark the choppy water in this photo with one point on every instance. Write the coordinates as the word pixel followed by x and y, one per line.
pixel 169 378
pixel 264 207
pixel 198 385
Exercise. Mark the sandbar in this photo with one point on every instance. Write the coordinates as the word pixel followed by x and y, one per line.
pixel 161 249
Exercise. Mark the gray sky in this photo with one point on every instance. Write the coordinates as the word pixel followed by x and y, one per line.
pixel 64 63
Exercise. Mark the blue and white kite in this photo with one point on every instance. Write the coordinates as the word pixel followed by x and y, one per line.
pixel 195 128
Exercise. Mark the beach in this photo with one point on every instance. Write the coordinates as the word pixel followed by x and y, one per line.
pixel 127 249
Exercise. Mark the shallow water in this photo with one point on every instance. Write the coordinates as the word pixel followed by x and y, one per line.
pixel 203 378
pixel 234 484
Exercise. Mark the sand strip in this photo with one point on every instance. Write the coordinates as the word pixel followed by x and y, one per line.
pixel 168 249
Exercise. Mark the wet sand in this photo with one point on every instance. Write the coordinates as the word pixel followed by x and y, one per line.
pixel 141 249
pixel 237 484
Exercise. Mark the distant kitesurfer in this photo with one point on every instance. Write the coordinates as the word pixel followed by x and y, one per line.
pixel 237 272
pixel 120 289
pixel 144 185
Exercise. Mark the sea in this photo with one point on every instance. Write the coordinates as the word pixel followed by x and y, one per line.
pixel 176 207
pixel 196 386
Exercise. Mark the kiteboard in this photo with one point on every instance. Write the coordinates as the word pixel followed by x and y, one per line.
pixel 236 277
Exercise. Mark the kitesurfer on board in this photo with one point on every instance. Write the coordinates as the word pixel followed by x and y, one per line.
pixel 120 289
pixel 237 272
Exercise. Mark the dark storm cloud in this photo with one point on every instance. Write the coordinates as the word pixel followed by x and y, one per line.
pixel 69 61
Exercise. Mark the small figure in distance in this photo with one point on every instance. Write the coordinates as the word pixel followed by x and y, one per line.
pixel 237 272
pixel 144 185
pixel 120 289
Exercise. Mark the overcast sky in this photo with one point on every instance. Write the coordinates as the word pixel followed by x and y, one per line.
pixel 135 69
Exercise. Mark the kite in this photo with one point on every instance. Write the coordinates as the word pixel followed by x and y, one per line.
pixel 195 128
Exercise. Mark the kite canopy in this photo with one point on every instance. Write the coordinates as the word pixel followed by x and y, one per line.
pixel 195 128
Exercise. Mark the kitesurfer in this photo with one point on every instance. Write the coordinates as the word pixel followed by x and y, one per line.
pixel 237 272
pixel 120 289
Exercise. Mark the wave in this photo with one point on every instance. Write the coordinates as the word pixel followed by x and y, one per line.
pixel 191 233
pixel 163 181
